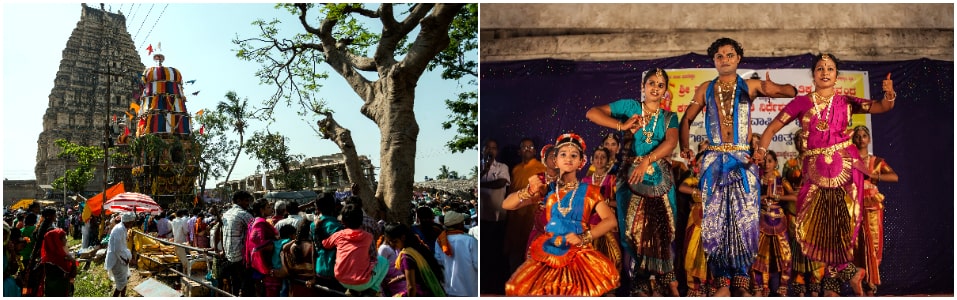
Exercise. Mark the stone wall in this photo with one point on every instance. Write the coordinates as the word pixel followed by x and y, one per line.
pixel 870 32
pixel 14 190
pixel 77 109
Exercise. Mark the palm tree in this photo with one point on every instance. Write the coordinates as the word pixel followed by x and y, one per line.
pixel 238 111
pixel 444 172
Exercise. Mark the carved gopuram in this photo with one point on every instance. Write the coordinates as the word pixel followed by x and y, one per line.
pixel 83 89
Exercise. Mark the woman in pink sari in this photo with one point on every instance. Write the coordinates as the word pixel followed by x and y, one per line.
pixel 260 249
pixel 831 196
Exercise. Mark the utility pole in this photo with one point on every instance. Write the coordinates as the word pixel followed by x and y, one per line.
pixel 108 134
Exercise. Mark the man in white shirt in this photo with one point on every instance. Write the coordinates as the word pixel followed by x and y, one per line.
pixel 163 226
pixel 494 180
pixel 459 257
pixel 293 218
pixel 181 235
pixel 118 256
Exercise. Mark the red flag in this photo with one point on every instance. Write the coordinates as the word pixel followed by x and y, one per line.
pixel 126 131
pixel 201 129
pixel 149 49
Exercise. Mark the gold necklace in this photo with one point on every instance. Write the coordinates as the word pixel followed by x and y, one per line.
pixel 726 92
pixel 564 210
pixel 822 124
pixel 653 119
pixel 597 180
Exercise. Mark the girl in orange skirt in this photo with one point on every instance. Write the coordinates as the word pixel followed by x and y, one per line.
pixel 562 261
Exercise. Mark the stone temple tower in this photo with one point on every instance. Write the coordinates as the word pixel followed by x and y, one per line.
pixel 100 68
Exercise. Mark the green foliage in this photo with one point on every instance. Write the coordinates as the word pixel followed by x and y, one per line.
pixel 272 152
pixel 215 144
pixel 94 282
pixel 473 175
pixel 237 110
pixel 290 62
pixel 298 179
pixel 464 118
pixel 445 173
pixel 86 157
pixel 459 61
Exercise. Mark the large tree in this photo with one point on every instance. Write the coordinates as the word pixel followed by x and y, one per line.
pixel 399 54
pixel 214 144
pixel 272 152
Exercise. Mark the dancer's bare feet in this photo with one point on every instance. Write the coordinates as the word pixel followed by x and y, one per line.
pixel 722 292
pixel 856 282
pixel 741 292
pixel 673 286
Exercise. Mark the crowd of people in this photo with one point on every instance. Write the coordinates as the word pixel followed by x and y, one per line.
pixel 723 220
pixel 329 246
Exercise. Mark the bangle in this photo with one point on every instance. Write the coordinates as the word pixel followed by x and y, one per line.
pixel 619 125
pixel 765 150
pixel 523 195
pixel 586 237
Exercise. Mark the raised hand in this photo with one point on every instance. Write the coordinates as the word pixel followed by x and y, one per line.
pixel 888 87
pixel 535 185
pixel 633 123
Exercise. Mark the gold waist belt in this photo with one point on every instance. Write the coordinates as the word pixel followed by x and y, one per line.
pixel 827 150
pixel 728 147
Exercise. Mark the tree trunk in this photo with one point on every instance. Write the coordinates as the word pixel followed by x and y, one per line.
pixel 202 184
pixel 238 152
pixel 399 131
pixel 331 130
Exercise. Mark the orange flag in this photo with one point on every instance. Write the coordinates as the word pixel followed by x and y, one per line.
pixel 95 204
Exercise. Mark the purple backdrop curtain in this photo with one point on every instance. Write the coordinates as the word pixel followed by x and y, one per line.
pixel 542 98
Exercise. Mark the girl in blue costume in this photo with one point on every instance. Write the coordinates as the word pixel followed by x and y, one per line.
pixel 646 195
pixel 562 261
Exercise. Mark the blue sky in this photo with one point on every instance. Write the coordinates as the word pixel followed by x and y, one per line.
pixel 196 39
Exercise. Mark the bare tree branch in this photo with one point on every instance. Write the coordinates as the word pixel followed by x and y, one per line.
pixel 338 58
pixel 434 31
pixel 387 17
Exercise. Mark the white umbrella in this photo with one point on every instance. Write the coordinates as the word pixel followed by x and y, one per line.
pixel 140 202
pixel 138 209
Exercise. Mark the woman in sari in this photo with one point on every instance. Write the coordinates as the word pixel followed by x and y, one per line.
pixel 774 253
pixel 831 196
pixel 604 179
pixel 260 247
pixel 421 272
pixel 550 175
pixel 299 262
pixel 695 262
pixel 805 274
pixel 59 268
pixel 562 261
pixel 870 250
pixel 646 199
